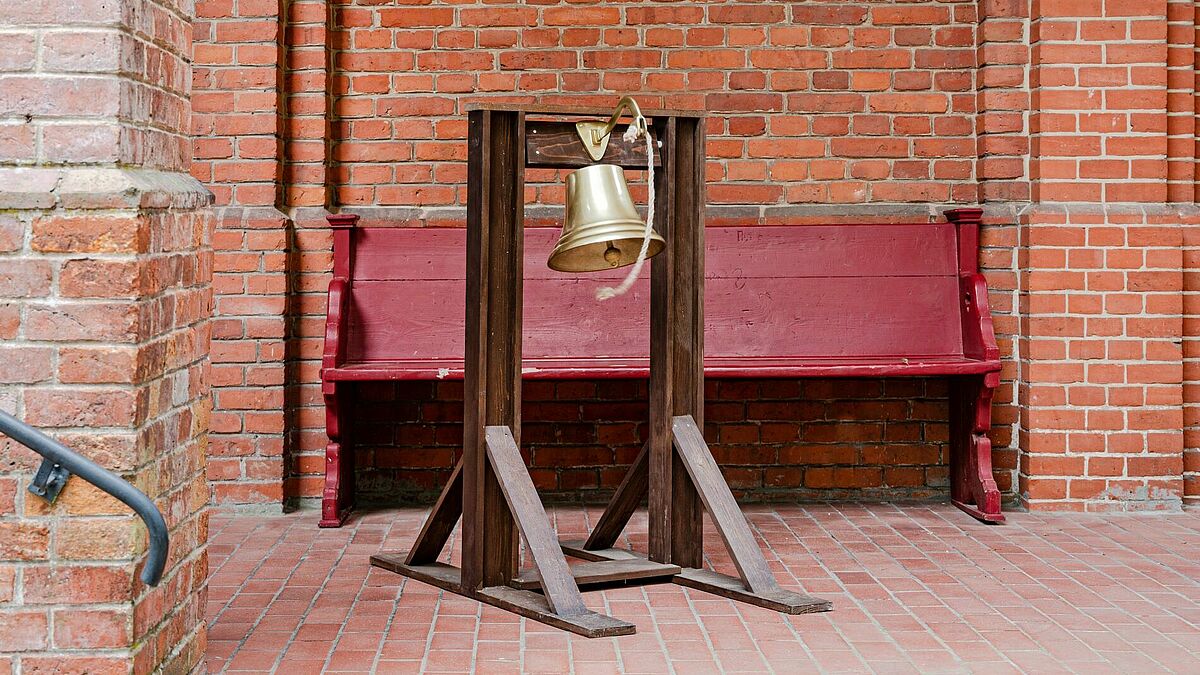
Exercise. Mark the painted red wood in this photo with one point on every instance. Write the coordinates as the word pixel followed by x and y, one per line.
pixel 614 368
pixel 844 300
pixel 802 293
pixel 912 249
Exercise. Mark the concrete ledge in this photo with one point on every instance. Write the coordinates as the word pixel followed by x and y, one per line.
pixel 90 188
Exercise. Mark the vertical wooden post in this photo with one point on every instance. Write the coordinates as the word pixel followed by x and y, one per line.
pixel 677 342
pixel 495 218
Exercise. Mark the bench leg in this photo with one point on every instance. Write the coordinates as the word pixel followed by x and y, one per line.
pixel 338 496
pixel 972 486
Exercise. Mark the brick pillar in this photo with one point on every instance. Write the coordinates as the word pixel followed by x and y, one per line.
pixel 1101 367
pixel 239 147
pixel 105 301
pixel 1184 57
pixel 264 142
pixel 1191 366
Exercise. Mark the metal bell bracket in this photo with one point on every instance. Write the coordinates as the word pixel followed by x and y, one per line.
pixel 49 480
pixel 595 135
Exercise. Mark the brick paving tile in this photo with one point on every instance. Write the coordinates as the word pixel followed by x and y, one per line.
pixel 916 589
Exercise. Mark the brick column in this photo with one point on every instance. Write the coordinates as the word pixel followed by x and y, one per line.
pixel 240 137
pixel 264 142
pixel 105 283
pixel 1101 265
pixel 1184 97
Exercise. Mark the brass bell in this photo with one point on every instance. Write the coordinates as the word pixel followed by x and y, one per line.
pixel 602 229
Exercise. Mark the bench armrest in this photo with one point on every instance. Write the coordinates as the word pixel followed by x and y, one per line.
pixel 979 337
pixel 337 313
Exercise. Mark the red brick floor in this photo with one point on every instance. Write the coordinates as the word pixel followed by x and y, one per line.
pixel 916 589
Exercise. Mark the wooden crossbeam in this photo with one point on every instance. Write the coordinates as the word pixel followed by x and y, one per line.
pixel 607 573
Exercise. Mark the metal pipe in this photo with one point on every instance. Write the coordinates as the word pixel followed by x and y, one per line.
pixel 102 478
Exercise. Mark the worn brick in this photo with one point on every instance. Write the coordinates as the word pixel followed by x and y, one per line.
pixel 89 234
pixel 91 629
pixel 24 630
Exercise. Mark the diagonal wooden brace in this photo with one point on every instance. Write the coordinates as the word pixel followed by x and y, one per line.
pixel 721 506
pixel 558 583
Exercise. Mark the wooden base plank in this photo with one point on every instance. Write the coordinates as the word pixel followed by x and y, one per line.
pixel 534 606
pixel 777 599
pixel 446 577
pixel 607 573
pixel 576 549
pixel 526 603
pixel 718 500
pixel 993 518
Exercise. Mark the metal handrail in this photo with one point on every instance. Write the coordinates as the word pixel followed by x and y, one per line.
pixel 60 455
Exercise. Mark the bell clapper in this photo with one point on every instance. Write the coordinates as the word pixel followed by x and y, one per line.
pixel 612 255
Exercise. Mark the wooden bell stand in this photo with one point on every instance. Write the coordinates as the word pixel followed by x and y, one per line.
pixel 491 488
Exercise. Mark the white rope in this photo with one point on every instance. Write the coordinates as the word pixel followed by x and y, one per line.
pixel 607 292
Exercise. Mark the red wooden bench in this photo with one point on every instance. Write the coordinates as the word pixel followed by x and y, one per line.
pixel 844 300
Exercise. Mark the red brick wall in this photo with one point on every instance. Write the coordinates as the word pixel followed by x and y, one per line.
pixel 810 103
pixel 775 439
pixel 849 110
pixel 1102 363
pixel 851 103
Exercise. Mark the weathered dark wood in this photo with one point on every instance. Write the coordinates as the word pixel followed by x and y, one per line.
pixel 523 502
pixel 676 345
pixel 688 312
pixel 776 598
pixel 533 606
pixel 606 573
pixel 727 517
pixel 440 522
pixel 575 549
pixel 441 575
pixel 525 603
pixel 556 145
pixel 708 581
pixel 497 491
pixel 625 500
pixel 495 189
pixel 662 333
pixel 496 487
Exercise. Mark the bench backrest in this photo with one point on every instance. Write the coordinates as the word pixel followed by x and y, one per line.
pixel 804 291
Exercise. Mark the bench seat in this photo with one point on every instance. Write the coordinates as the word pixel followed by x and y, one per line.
pixel 720 367
pixel 864 300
